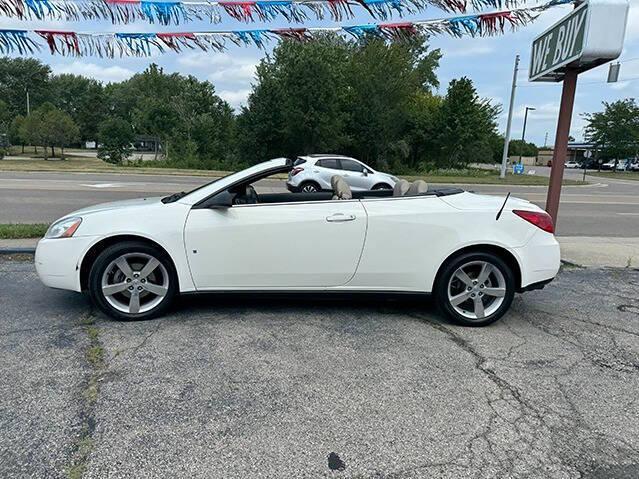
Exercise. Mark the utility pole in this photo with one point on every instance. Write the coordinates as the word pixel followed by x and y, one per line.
pixel 546 140
pixel 504 158
pixel 28 104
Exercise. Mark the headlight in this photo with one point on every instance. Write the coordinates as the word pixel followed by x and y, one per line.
pixel 64 228
pixel 394 179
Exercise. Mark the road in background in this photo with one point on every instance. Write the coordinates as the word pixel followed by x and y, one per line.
pixel 605 208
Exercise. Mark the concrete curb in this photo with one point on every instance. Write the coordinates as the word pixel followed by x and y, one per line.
pixel 17 250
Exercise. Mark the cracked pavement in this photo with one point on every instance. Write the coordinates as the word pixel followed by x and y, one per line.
pixel 239 386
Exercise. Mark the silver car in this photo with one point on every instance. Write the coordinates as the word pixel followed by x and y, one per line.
pixel 314 172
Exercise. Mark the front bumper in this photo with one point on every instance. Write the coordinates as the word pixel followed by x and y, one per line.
pixel 57 261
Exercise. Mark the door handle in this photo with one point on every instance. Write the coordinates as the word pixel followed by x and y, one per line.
pixel 339 218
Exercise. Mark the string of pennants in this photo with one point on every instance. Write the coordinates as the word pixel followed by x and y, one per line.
pixel 68 43
pixel 176 12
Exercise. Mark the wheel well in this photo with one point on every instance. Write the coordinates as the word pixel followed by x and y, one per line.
pixel 382 184
pixel 306 182
pixel 96 249
pixel 504 254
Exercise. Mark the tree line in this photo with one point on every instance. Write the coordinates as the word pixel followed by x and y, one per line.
pixel 369 99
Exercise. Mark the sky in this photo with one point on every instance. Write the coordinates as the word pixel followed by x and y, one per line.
pixel 487 61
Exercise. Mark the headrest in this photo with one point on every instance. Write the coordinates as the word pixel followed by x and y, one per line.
pixel 341 190
pixel 417 188
pixel 400 188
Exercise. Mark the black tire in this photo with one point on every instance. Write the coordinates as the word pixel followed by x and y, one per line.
pixel 382 186
pixel 468 260
pixel 112 253
pixel 311 186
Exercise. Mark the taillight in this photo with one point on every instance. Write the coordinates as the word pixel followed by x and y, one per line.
pixel 296 170
pixel 540 219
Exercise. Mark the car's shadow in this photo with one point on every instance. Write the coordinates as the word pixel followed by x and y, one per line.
pixel 234 303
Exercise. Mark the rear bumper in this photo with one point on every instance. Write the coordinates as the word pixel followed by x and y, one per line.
pixel 57 261
pixel 540 260
pixel 534 286
pixel 292 188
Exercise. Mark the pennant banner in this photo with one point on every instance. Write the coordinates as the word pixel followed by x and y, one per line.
pixel 145 44
pixel 176 12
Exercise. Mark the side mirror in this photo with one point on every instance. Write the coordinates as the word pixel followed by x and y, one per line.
pixel 221 201
pixel 365 173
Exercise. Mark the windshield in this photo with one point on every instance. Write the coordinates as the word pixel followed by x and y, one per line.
pixel 176 196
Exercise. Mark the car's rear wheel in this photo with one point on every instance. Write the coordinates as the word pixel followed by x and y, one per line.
pixel 310 187
pixel 132 280
pixel 475 289
pixel 382 186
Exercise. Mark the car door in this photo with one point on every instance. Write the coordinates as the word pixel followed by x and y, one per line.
pixel 355 174
pixel 285 245
pixel 325 169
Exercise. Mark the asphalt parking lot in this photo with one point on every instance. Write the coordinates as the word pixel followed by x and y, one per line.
pixel 239 387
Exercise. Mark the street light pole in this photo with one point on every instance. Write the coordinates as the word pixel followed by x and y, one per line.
pixel 28 104
pixel 523 133
pixel 504 158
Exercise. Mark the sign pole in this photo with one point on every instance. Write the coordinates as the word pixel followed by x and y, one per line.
pixel 561 143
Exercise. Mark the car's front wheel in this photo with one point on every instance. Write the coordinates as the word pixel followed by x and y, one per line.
pixel 475 289
pixel 132 280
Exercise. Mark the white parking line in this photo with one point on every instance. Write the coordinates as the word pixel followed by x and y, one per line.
pixel 628 214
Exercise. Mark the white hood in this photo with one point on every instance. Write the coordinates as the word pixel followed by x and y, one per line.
pixel 116 205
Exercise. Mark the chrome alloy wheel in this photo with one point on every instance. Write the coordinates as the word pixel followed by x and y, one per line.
pixel 309 188
pixel 135 283
pixel 476 289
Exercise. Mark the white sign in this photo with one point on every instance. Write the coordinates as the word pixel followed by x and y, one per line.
pixel 590 35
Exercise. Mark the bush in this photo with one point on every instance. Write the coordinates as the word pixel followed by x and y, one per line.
pixel 116 137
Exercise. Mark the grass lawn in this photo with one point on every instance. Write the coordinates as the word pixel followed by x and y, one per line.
pixel 17 231
pixel 619 175
pixel 83 164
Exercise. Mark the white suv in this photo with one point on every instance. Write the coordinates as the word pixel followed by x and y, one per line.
pixel 314 172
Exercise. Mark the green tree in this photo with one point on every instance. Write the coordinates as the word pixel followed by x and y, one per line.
pixel 4 127
pixel 615 130
pixel 83 99
pixel 466 126
pixel 194 125
pixel 522 148
pixel 5 116
pixel 115 136
pixel 17 133
pixel 298 105
pixel 384 80
pixel 337 95
pixel 19 76
pixel 49 126
pixel 423 113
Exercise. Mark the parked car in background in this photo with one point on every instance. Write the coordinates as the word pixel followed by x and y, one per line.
pixel 609 165
pixel 622 165
pixel 634 165
pixel 572 164
pixel 313 173
pixel 471 252
pixel 590 164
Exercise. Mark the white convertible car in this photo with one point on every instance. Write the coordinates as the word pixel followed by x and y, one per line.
pixel 472 252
